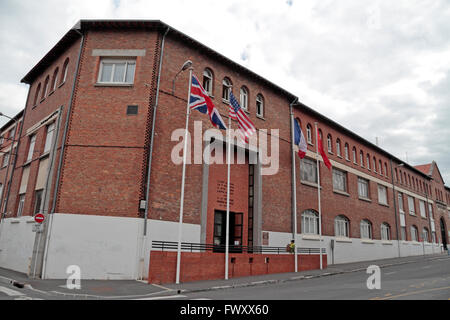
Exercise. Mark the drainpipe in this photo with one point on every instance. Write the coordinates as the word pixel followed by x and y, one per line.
pixel 293 184
pixel 395 207
pixel 149 168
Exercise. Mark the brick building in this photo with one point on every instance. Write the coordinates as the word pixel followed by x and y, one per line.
pixel 95 156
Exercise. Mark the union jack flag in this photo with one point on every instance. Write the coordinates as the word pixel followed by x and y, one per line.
pixel 200 100
pixel 246 126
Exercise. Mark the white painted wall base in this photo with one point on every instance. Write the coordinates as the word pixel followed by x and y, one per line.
pixel 16 243
pixel 355 249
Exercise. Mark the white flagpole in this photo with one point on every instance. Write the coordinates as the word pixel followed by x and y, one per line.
pixel 294 192
pixel 318 193
pixel 227 234
pixel 180 223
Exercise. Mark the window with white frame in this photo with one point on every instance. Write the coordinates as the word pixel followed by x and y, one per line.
pixel 310 222
pixel 65 70
pixel 430 211
pixel 226 89
pixel 382 194
pixel 346 152
pixel 31 147
pixel 308 170
pixel 341 227
pixel 338 147
pixel 425 235
pixel 37 201
pixel 117 71
pixel 363 188
pixel 5 159
pixel 259 105
pixel 366 229
pixel 49 137
pixel 411 206
pixel 374 164
pixel 403 233
pixel 309 133
pixel 422 208
pixel 414 233
pixel 20 206
pixel 208 81
pixel 339 180
pixel 330 144
pixel 368 162
pixel 400 203
pixel 385 231
pixel 244 98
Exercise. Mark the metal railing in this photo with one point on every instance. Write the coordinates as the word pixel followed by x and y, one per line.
pixel 203 247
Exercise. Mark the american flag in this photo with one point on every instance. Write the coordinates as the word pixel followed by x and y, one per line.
pixel 246 126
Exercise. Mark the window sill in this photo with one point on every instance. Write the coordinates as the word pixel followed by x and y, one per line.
pixel 339 157
pixel 310 184
pixel 425 218
pixel 364 199
pixel 44 155
pixel 30 220
pixel 42 100
pixel 61 84
pixel 387 242
pixel 383 204
pixel 367 241
pixel 261 117
pixel 310 144
pixel 412 214
pixel 341 193
pixel 27 163
pixel 113 84
pixel 227 102
pixel 331 152
pixel 51 93
pixel 311 237
pixel 416 243
pixel 14 220
pixel 343 239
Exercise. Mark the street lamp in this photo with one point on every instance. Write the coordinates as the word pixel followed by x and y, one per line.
pixel 185 66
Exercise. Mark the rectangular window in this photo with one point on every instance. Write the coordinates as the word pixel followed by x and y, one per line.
pixel 422 208
pixel 21 203
pixel 308 170
pixel 382 194
pixel 37 201
pixel 117 71
pixel 363 188
pixel 400 202
pixel 49 137
pixel 31 148
pixel 339 180
pixel 411 207
pixel 403 233
pixel 5 159
pixel 414 235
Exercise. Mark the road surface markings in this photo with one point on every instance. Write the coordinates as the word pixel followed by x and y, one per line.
pixel 411 293
pixel 11 292
pixel 178 296
pixel 388 273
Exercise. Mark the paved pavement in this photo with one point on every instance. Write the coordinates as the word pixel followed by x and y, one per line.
pixel 130 289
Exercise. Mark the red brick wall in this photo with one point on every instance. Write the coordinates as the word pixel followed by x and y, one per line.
pixel 210 266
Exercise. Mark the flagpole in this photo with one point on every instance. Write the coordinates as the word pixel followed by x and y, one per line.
pixel 180 223
pixel 294 192
pixel 318 193
pixel 227 234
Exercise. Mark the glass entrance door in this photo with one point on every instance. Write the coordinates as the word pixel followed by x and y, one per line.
pixel 235 231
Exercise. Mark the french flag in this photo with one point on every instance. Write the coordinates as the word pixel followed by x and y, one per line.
pixel 200 100
pixel 299 139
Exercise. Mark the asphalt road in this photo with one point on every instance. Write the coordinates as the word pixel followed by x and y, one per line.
pixel 427 280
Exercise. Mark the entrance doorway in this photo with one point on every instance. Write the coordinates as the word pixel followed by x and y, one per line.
pixel 444 234
pixel 235 231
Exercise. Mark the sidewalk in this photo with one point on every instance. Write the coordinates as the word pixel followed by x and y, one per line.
pixel 128 289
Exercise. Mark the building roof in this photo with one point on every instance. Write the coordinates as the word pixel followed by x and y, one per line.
pixel 425 168
pixel 11 121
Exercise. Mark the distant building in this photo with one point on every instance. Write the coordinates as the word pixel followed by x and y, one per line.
pixel 104 96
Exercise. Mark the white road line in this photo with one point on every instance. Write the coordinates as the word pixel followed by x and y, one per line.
pixel 201 299
pixel 11 292
pixel 388 273
pixel 162 298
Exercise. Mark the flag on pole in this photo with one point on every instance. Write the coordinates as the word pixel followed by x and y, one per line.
pixel 246 126
pixel 326 161
pixel 299 139
pixel 200 100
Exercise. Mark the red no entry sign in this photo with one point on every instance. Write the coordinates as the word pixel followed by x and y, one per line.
pixel 39 218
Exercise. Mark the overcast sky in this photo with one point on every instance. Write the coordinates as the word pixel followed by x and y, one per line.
pixel 379 68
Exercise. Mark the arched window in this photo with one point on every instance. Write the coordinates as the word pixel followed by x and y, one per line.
pixel 361 158
pixel 346 152
pixel 354 155
pixel 385 169
pixel 380 167
pixel 368 161
pixel 55 79
pixel 45 90
pixel 244 98
pixel 366 229
pixel 64 71
pixel 385 231
pixel 341 226
pixel 309 133
pixel 208 81
pixel 414 233
pixel 226 86
pixel 338 147
pixel 330 144
pixel 310 222
pixel 260 105
pixel 374 164
pixel 36 95
pixel 425 234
